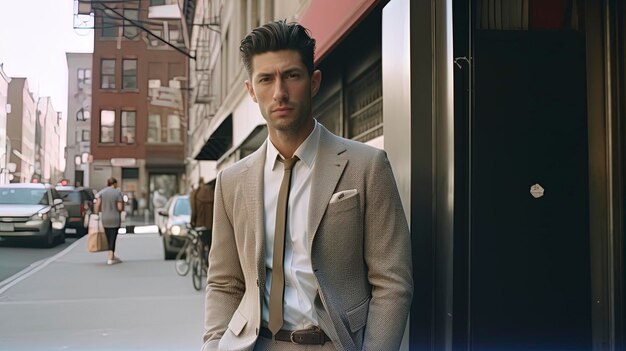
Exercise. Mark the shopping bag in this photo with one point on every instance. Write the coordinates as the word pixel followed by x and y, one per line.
pixel 96 238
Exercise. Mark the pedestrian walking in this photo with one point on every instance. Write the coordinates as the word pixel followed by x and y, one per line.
pixel 310 241
pixel 109 205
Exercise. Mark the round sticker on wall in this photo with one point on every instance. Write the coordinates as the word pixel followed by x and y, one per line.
pixel 536 191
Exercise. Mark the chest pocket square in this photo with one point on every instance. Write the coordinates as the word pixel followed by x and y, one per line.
pixel 343 195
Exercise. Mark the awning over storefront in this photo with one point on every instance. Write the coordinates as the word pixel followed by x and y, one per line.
pixel 219 142
pixel 247 146
pixel 329 27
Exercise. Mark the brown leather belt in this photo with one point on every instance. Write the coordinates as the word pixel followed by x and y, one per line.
pixel 312 336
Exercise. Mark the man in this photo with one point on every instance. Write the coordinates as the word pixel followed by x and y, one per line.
pixel 343 272
pixel 201 201
pixel 109 205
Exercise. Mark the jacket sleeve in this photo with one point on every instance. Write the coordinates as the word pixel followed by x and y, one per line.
pixel 388 258
pixel 225 287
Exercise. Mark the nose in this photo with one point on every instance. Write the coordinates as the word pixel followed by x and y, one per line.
pixel 280 90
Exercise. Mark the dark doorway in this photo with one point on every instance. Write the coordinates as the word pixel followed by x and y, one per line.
pixel 79 178
pixel 529 256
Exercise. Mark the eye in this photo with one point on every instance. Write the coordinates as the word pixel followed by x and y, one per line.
pixel 293 75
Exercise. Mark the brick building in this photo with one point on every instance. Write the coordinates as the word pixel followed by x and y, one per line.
pixel 138 108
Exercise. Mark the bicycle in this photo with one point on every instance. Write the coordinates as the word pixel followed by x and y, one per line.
pixel 183 257
pixel 200 260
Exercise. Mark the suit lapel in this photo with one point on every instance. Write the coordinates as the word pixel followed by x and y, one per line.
pixel 253 192
pixel 328 169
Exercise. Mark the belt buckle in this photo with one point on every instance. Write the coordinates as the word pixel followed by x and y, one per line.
pixel 314 331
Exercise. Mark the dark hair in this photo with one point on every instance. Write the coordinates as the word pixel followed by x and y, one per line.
pixel 111 181
pixel 275 36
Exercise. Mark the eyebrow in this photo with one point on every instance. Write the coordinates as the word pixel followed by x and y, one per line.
pixel 292 70
pixel 287 71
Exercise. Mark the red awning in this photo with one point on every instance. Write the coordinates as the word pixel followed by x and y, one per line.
pixel 330 21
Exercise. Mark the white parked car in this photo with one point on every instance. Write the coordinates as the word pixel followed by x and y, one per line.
pixel 172 222
pixel 34 211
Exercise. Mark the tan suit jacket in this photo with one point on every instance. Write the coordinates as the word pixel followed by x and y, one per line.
pixel 359 243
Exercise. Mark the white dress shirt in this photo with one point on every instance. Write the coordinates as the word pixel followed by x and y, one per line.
pixel 300 283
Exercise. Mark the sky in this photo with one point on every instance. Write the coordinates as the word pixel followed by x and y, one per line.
pixel 34 37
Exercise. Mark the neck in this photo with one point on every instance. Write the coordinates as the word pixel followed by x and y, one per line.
pixel 287 143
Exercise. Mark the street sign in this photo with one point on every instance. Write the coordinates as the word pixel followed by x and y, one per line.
pixel 123 162
pixel 167 97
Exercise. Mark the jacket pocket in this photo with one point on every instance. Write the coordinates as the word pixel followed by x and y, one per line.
pixel 357 316
pixel 237 323
pixel 346 204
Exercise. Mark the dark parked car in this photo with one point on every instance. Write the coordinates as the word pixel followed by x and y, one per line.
pixel 79 204
pixel 32 210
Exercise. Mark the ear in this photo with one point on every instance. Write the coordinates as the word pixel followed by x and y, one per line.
pixel 316 81
pixel 250 89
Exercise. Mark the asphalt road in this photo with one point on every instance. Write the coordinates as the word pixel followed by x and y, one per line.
pixel 16 256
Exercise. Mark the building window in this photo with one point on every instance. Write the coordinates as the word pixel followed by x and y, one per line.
pixel 365 105
pixel 203 87
pixel 157 2
pixel 540 15
pixel 154 41
pixel 109 27
pixel 128 127
pixel 83 115
pixel 130 30
pixel 173 129
pixel 130 173
pixel 329 113
pixel 107 123
pixel 86 135
pixel 84 78
pixel 129 74
pixel 175 70
pixel 107 75
pixel 154 128
pixel 174 35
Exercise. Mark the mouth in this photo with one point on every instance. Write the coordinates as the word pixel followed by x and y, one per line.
pixel 282 109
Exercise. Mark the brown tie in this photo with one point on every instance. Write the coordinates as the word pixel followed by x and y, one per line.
pixel 277 288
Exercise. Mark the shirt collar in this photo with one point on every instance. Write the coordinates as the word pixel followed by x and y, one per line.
pixel 306 152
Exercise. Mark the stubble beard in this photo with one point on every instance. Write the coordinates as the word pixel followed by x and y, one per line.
pixel 289 125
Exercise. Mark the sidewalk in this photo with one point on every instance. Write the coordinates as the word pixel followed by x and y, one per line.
pixel 74 301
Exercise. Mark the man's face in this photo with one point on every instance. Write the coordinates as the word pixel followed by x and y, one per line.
pixel 282 87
